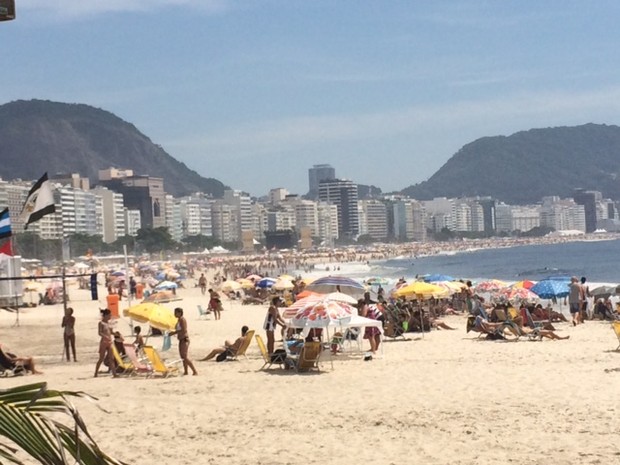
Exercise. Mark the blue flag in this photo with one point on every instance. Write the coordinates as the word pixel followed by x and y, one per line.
pixel 5 223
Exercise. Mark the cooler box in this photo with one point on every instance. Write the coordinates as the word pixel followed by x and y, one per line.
pixel 113 304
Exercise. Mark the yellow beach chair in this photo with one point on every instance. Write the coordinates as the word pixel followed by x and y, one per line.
pixel 616 327
pixel 244 347
pixel 309 357
pixel 158 365
pixel 127 367
pixel 266 357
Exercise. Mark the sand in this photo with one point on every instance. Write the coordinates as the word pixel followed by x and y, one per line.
pixel 444 398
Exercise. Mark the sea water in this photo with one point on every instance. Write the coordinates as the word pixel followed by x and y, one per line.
pixel 599 261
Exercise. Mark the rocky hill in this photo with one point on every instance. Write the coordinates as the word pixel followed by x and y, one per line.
pixel 528 165
pixel 38 136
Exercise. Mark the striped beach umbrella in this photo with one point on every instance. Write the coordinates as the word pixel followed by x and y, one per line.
pixel 342 284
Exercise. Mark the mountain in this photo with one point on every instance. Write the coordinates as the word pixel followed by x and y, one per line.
pixel 523 167
pixel 38 136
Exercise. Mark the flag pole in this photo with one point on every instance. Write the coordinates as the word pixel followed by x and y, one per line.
pixel 11 284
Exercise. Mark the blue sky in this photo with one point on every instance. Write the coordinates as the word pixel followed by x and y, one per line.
pixel 255 92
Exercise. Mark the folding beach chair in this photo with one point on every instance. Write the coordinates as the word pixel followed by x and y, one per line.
pixel 266 357
pixel 158 365
pixel 10 368
pixel 240 352
pixel 309 357
pixel 139 367
pixel 615 325
pixel 121 363
pixel 203 313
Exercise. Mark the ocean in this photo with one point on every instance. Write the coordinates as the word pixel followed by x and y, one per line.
pixel 599 261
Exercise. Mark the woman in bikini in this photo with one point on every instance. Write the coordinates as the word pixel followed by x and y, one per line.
pixel 183 336
pixel 272 319
pixel 105 344
pixel 68 323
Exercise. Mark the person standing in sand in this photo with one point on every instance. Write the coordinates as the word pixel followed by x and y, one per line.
pixel 575 298
pixel 272 319
pixel 68 325
pixel 202 283
pixel 105 344
pixel 183 336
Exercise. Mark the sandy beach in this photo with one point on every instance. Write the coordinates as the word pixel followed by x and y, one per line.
pixel 443 398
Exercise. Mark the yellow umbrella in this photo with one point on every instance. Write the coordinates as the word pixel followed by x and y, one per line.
pixel 246 283
pixel 155 315
pixel 231 286
pixel 288 277
pixel 419 289
pixel 283 284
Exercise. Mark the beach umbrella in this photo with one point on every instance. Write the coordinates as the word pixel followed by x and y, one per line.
pixel 254 277
pixel 420 289
pixel 117 274
pixel 603 292
pixel 161 296
pixel 377 281
pixel 550 288
pixel 312 298
pixel 231 286
pixel 321 314
pixel 288 277
pixel 282 285
pixel 492 285
pixel 451 287
pixel 526 284
pixel 164 285
pixel 306 293
pixel 516 294
pixel 266 283
pixel 431 278
pixel 246 283
pixel 154 314
pixel 342 284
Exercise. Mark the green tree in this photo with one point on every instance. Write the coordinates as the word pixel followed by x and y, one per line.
pixel 155 240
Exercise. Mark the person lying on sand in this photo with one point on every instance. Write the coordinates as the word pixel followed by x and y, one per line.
pixel 229 347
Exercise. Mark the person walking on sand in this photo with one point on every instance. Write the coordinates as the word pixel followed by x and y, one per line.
pixel 183 336
pixel 105 343
pixel 68 325
pixel 272 319
pixel 202 283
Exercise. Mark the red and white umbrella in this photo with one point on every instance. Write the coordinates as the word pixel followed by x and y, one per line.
pixel 322 314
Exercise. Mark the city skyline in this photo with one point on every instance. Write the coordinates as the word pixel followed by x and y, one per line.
pixel 274 87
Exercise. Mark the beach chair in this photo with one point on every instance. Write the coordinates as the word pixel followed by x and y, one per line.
pixel 203 313
pixel 240 352
pixel 10 368
pixel 309 357
pixel 158 365
pixel 266 357
pixel 125 366
pixel 615 325
pixel 138 366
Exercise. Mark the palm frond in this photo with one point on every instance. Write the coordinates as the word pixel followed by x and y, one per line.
pixel 24 421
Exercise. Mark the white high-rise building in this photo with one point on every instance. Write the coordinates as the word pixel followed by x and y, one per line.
pixel 225 218
pixel 328 223
pixel 112 217
pixel 373 219
pixel 562 214
pixel 242 208
pixel 409 220
pixel 132 222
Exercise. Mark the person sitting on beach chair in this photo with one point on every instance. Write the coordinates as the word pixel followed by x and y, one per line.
pixel 11 362
pixel 228 347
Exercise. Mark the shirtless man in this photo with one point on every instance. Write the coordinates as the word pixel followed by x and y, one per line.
pixel 231 347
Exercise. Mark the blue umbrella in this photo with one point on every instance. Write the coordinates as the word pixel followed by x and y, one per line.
pixel 431 278
pixel 266 282
pixel 550 288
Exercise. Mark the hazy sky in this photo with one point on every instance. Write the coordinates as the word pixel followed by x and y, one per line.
pixel 255 92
